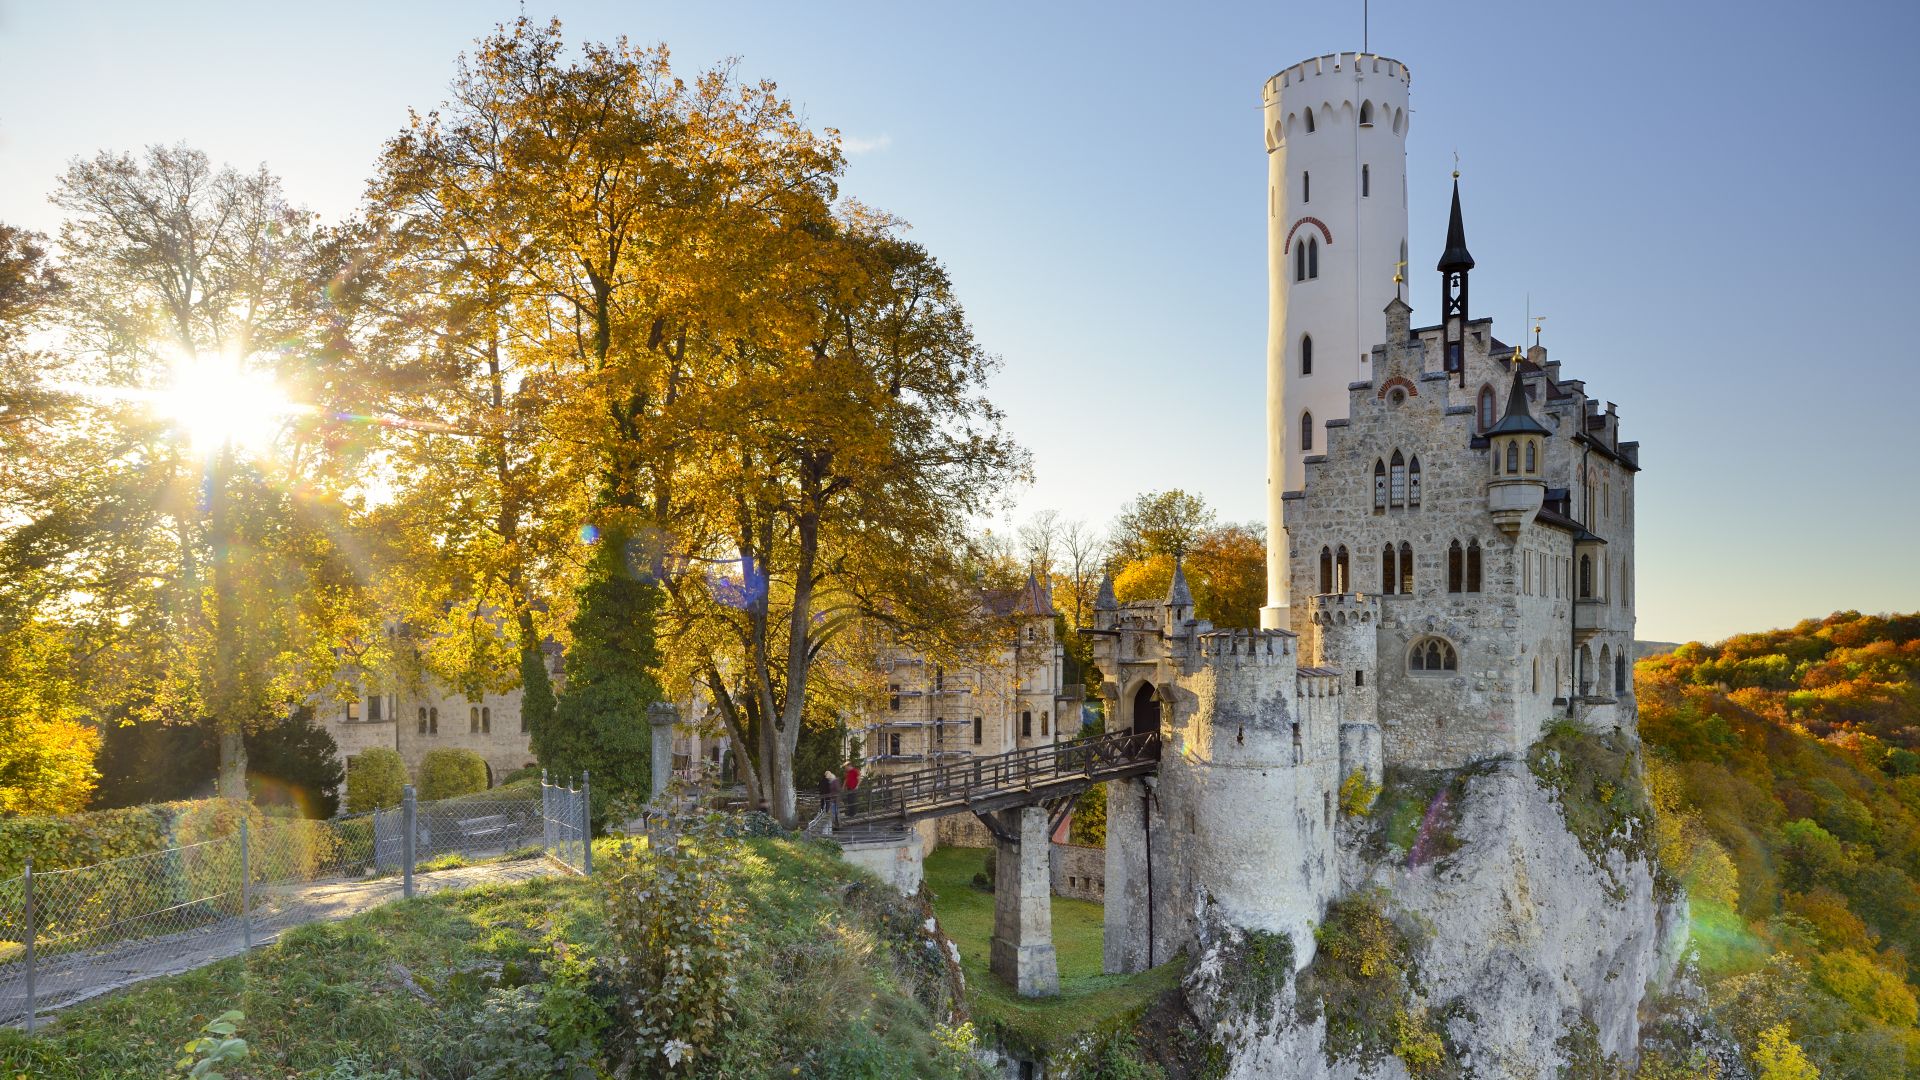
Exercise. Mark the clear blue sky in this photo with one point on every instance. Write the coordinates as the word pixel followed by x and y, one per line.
pixel 1712 202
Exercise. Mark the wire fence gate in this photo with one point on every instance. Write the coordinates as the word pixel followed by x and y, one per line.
pixel 70 934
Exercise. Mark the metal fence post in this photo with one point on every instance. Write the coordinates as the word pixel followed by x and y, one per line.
pixel 586 822
pixel 546 813
pixel 406 841
pixel 246 887
pixel 32 933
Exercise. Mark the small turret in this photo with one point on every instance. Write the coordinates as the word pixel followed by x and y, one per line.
pixel 1179 599
pixel 1454 264
pixel 1518 446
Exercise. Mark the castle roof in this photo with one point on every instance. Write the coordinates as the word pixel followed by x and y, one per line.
pixel 1519 419
pixel 1179 594
pixel 1456 256
pixel 1032 598
pixel 1106 601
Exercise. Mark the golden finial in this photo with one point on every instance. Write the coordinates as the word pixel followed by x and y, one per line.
pixel 1537 320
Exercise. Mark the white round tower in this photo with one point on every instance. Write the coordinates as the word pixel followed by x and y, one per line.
pixel 1336 134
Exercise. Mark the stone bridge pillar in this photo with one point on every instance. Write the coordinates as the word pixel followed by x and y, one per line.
pixel 1022 950
pixel 661 716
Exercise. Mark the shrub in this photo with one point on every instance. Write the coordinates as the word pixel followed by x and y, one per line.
pixel 375 778
pixel 1357 795
pixel 447 772
pixel 676 928
pixel 530 773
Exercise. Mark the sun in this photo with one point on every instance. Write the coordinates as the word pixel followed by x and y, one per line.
pixel 215 401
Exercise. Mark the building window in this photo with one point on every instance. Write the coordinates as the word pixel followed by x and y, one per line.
pixel 1306 431
pixel 1513 457
pixel 1306 354
pixel 1366 181
pixel 1366 116
pixel 1413 482
pixel 1026 725
pixel 1309 118
pixel 1326 570
pixel 1397 493
pixel 893 697
pixel 1043 723
pixel 1379 485
pixel 893 744
pixel 1485 415
pixel 1313 257
pixel 353 711
pixel 1531 457
pixel 1406 568
pixel 1389 570
pixel 423 721
pixel 1586 577
pixel 1340 571
pixel 473 719
pixel 977 731
pixel 1431 656
pixel 1620 674
pixel 373 708
pixel 1299 262
pixel 1473 566
pixel 486 720
pixel 433 721
pixel 1359 677
pixel 1456 567
pixel 1306 187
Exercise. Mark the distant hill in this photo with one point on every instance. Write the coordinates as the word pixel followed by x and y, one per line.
pixel 1786 769
pixel 1644 649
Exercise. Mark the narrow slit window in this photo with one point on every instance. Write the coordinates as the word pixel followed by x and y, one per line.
pixel 1366 181
pixel 1306 187
pixel 1389 570
pixel 1306 354
pixel 1406 568
pixel 1326 570
pixel 1340 578
pixel 1473 566
pixel 1456 567
pixel 1306 431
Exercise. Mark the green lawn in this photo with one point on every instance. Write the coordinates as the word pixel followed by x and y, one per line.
pixel 1088 1000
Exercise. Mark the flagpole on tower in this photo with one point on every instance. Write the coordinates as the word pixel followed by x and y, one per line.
pixel 1366 24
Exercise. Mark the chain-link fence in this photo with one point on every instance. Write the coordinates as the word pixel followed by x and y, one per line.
pixel 71 934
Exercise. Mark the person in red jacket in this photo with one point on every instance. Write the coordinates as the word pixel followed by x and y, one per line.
pixel 848 783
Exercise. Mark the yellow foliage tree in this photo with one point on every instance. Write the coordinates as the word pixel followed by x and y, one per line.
pixel 1778 1057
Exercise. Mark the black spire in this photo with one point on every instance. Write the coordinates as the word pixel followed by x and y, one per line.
pixel 1519 418
pixel 1456 257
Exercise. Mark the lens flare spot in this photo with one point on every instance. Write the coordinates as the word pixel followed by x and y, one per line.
pixel 589 534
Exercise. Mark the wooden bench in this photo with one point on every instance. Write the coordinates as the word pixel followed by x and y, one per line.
pixel 483 828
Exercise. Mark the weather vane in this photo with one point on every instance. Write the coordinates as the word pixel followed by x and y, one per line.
pixel 1537 320
pixel 1399 278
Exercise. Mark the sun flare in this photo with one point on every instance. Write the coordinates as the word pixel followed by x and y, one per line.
pixel 214 400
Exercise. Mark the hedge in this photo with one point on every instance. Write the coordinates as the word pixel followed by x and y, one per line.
pixel 375 779
pixel 448 772
pixel 69 840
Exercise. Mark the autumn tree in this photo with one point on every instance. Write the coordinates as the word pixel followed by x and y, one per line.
pixel 1159 523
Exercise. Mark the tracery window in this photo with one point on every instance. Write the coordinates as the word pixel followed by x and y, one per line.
pixel 1379 484
pixel 1486 408
pixel 1513 457
pixel 1531 459
pixel 1432 656
pixel 1398 473
pixel 1413 482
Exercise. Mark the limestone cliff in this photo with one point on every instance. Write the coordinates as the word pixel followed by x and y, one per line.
pixel 1503 920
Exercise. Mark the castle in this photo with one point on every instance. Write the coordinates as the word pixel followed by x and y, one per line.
pixel 1450 554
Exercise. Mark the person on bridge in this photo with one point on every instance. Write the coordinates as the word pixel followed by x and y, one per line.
pixel 830 796
pixel 849 782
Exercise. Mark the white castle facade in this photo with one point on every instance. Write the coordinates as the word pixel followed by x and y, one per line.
pixel 1450 554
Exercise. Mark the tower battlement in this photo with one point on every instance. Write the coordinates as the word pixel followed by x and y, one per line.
pixel 1339 63
pixel 1339 609
pixel 1244 647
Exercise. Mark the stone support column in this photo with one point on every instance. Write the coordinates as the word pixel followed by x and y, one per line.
pixel 661 716
pixel 1022 949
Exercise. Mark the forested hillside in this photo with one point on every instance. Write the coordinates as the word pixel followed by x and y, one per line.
pixel 1787 769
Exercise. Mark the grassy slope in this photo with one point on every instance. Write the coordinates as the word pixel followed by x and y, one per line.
pixel 1088 1001
pixel 825 996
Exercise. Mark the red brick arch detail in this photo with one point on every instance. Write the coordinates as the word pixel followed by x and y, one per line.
pixel 1313 221
pixel 1397 380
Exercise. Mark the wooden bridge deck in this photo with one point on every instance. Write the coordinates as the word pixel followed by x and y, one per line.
pixel 1031 777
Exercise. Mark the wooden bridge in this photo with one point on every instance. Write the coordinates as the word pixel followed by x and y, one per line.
pixel 1037 776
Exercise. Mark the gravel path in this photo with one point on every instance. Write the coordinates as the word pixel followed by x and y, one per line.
pixel 68 979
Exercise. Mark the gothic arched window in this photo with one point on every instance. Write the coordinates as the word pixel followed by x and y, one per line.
pixel 1473 566
pixel 1406 568
pixel 1313 257
pixel 1432 656
pixel 1456 567
pixel 1326 570
pixel 1306 354
pixel 433 720
pixel 1513 457
pixel 1620 674
pixel 1366 114
pixel 486 720
pixel 1340 578
pixel 1309 118
pixel 473 719
pixel 423 721
pixel 1531 457
pixel 1586 577
pixel 1398 473
pixel 1306 431
pixel 1413 482
pixel 1379 484
pixel 1389 570
pixel 1486 406
pixel 1299 262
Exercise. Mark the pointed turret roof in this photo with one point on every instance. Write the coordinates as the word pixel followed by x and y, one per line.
pixel 1179 595
pixel 1456 257
pixel 1519 418
pixel 1035 599
pixel 1106 600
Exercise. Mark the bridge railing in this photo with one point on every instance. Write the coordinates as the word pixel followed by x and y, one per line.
pixel 954 785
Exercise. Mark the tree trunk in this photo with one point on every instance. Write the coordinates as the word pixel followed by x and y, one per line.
pixel 799 662
pixel 229 711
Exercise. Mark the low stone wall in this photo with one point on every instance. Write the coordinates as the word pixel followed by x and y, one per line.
pixel 896 862
pixel 1079 872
